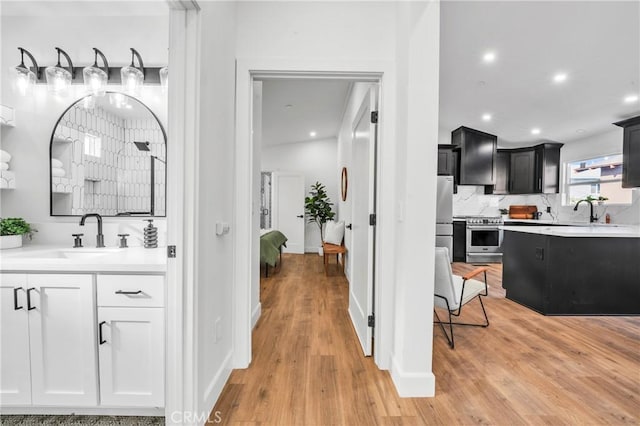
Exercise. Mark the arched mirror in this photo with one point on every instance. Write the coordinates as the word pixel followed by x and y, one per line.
pixel 108 156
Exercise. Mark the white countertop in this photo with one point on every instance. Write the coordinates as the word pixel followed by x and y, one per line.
pixel 586 230
pixel 87 259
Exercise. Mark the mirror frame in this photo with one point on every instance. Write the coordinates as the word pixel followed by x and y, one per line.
pixel 53 132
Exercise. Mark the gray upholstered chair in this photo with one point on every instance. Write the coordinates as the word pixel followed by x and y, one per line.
pixel 452 292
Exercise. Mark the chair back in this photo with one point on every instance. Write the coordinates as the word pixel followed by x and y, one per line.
pixel 443 282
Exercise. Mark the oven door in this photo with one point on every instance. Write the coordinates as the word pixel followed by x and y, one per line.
pixel 483 239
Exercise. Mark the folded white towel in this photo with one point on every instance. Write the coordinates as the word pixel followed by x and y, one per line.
pixel 4 166
pixel 57 171
pixel 56 164
pixel 5 157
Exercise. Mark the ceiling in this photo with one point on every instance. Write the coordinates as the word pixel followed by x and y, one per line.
pixel 84 8
pixel 292 108
pixel 597 45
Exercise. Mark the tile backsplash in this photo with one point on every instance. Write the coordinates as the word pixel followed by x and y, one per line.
pixel 471 200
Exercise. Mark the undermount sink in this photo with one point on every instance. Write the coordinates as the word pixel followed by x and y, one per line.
pixel 71 253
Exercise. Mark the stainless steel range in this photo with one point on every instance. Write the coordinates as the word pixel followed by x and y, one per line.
pixel 484 239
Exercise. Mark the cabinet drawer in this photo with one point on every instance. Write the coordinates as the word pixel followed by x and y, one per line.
pixel 131 290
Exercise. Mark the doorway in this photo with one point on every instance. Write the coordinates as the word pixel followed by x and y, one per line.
pixel 355 137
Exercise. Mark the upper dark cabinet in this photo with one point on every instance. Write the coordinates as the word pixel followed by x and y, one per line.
pixel 547 168
pixel 630 152
pixel 446 160
pixel 522 174
pixel 503 167
pixel 477 151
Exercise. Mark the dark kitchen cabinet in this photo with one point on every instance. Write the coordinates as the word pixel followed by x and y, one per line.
pixel 503 166
pixel 459 241
pixel 446 160
pixel 477 156
pixel 630 152
pixel 522 171
pixel 547 168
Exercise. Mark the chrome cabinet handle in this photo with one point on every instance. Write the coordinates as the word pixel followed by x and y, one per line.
pixel 29 307
pixel 128 292
pixel 15 299
pixel 102 341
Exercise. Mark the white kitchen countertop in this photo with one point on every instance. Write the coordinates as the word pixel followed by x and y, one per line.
pixel 586 230
pixel 47 258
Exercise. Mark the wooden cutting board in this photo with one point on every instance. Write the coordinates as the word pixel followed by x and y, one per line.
pixel 522 212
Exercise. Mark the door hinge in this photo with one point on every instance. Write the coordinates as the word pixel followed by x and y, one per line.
pixel 371 320
pixel 171 251
pixel 372 219
pixel 374 117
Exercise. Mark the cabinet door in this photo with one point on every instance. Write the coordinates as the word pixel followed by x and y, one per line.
pixel 522 172
pixel 445 161
pixel 132 357
pixel 631 157
pixel 503 165
pixel 477 156
pixel 62 335
pixel 15 371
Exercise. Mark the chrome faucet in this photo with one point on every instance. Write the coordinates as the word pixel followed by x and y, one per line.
pixel 99 237
pixel 592 218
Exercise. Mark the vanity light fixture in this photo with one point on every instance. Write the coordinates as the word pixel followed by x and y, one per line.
pixel 59 77
pixel 132 77
pixel 95 77
pixel 24 77
pixel 164 79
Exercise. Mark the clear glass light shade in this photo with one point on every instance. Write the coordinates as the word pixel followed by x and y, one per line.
pixel 164 78
pixel 58 80
pixel 132 80
pixel 118 100
pixel 24 80
pixel 95 80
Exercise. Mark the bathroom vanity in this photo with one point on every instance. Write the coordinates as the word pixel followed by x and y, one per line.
pixel 82 331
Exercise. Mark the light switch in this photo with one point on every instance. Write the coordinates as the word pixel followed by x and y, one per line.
pixel 222 228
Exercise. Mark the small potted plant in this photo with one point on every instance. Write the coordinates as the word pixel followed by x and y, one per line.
pixel 600 199
pixel 11 231
pixel 504 213
pixel 318 208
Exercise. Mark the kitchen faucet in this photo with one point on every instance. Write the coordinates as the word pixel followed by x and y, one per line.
pixel 99 237
pixel 592 218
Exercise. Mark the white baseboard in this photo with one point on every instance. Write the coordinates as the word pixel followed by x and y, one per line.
pixel 214 389
pixel 255 315
pixel 83 411
pixel 412 385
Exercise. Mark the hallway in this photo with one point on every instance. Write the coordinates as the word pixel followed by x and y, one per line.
pixel 307 366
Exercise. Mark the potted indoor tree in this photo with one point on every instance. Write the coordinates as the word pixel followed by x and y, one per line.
pixel 317 206
pixel 11 231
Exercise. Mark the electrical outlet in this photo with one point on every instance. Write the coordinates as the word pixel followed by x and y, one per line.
pixel 548 209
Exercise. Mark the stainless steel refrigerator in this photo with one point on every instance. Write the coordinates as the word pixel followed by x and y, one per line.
pixel 444 213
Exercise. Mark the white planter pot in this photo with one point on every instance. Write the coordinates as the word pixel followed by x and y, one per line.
pixel 10 241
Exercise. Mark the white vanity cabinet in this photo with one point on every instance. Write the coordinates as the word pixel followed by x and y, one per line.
pixel 48 337
pixel 131 340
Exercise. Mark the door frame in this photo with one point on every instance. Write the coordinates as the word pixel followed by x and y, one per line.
pixel 248 69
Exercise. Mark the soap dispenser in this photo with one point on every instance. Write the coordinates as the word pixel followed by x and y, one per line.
pixel 150 235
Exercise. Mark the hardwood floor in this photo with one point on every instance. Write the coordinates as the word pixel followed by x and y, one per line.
pixel 524 368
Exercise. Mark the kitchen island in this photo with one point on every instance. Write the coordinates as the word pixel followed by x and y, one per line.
pixel 573 270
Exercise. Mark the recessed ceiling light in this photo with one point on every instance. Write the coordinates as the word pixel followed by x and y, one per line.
pixel 489 57
pixel 486 117
pixel 580 131
pixel 312 134
pixel 287 106
pixel 560 77
pixel 535 131
pixel 630 99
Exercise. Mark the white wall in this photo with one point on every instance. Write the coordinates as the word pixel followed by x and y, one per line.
pixel 36 116
pixel 470 200
pixel 316 160
pixel 214 262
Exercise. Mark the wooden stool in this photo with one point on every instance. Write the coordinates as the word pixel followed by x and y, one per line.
pixel 329 249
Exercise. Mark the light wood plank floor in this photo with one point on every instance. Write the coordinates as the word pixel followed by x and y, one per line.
pixel 524 368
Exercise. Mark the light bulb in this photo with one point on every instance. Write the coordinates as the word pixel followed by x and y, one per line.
pixel 95 80
pixel 132 80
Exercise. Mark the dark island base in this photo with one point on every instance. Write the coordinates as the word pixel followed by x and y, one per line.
pixel 572 275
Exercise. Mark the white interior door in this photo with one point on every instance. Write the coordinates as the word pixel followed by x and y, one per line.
pixel 362 179
pixel 288 209
pixel 15 369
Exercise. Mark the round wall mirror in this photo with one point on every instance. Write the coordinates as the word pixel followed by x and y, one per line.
pixel 108 156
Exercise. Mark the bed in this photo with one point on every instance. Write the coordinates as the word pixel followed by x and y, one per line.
pixel 271 243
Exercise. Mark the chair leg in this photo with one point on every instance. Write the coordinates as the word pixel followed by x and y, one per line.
pixel 450 340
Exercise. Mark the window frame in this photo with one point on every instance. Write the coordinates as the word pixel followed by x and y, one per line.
pixel 566 177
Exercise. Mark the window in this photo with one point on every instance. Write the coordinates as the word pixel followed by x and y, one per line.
pixel 600 176
pixel 92 145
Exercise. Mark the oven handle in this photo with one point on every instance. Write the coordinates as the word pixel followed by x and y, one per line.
pixel 484 227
